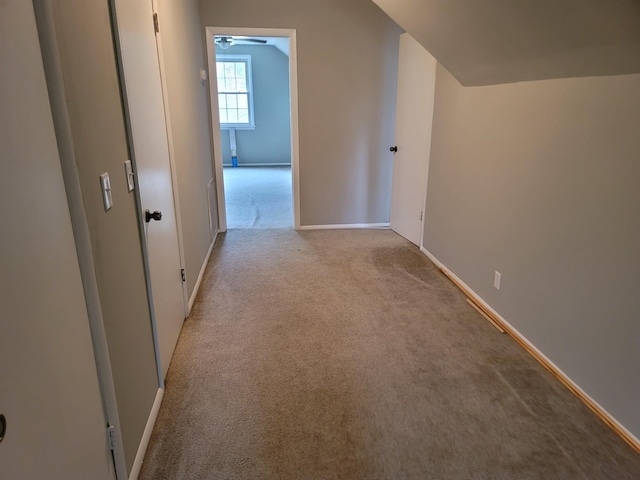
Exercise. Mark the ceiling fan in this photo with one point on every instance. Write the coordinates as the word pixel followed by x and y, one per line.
pixel 226 41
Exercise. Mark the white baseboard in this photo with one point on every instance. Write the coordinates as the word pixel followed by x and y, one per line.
pixel 594 406
pixel 257 165
pixel 345 225
pixel 196 287
pixel 146 436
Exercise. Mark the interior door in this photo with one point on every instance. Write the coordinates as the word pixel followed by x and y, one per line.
pixel 414 115
pixel 49 390
pixel 146 115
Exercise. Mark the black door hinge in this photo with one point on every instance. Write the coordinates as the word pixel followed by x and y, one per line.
pixel 182 274
pixel 156 25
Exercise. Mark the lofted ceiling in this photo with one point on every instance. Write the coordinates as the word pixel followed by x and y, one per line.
pixel 485 42
pixel 281 43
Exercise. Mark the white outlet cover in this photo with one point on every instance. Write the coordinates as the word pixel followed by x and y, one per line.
pixel 497 277
pixel 107 198
pixel 128 170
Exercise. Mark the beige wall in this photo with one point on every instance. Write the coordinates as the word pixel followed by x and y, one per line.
pixel 49 389
pixel 97 126
pixel 347 67
pixel 539 180
pixel 183 56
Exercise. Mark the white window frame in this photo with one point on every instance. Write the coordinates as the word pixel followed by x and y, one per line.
pixel 252 119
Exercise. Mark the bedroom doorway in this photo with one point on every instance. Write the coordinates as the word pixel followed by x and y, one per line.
pixel 253 89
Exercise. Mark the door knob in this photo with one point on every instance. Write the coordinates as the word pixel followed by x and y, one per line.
pixel 394 149
pixel 148 216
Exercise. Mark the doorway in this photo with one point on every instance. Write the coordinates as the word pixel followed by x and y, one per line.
pixel 253 93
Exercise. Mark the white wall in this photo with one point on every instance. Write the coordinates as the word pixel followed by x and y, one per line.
pixel 347 53
pixel 539 180
pixel 48 382
pixel 183 55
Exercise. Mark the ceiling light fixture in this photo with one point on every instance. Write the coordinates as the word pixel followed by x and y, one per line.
pixel 225 43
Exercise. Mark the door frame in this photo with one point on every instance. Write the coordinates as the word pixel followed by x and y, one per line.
pixel 290 34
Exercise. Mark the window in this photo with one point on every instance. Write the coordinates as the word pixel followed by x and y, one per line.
pixel 235 96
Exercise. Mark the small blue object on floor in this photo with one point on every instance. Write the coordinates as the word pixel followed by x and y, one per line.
pixel 258 197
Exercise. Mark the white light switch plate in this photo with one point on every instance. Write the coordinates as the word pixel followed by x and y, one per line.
pixel 107 199
pixel 128 170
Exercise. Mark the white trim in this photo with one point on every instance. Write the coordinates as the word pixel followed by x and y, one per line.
pixel 340 226
pixel 599 409
pixel 196 287
pixel 240 165
pixel 426 175
pixel 210 32
pixel 295 134
pixel 172 159
pixel 212 229
pixel 214 108
pixel 146 435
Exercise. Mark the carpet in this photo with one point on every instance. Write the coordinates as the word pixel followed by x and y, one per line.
pixel 346 354
pixel 258 197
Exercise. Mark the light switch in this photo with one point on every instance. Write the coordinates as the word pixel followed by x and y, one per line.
pixel 128 169
pixel 107 199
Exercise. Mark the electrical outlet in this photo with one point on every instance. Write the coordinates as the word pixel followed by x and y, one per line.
pixel 107 198
pixel 128 170
pixel 497 277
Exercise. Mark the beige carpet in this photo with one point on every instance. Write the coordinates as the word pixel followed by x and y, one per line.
pixel 258 197
pixel 348 355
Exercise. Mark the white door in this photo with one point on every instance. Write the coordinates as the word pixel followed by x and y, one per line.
pixel 49 390
pixel 414 115
pixel 144 103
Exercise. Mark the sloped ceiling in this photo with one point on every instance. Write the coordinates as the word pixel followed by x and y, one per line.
pixel 485 42
pixel 281 43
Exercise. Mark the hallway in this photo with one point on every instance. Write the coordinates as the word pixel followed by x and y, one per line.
pixel 346 354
